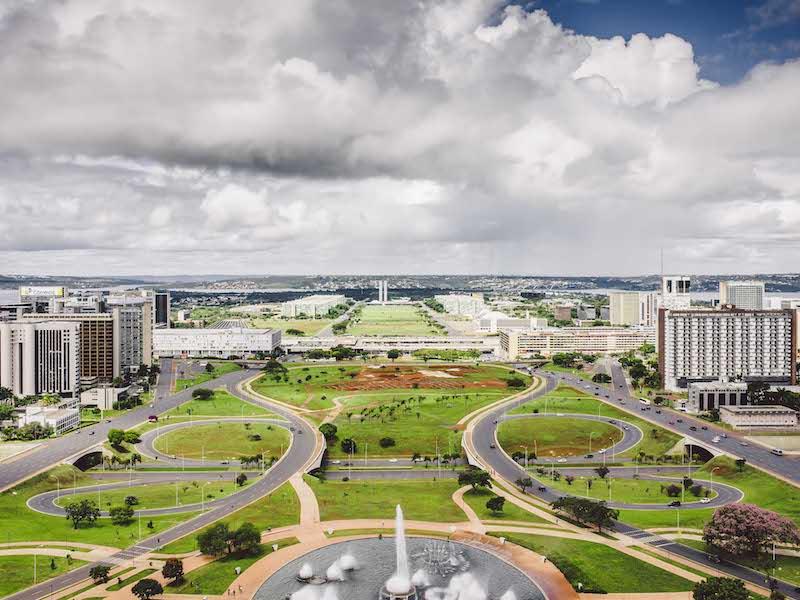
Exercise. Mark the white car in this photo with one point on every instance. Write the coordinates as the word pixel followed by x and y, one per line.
pixel 336 462
pixel 559 414
pixel 562 460
pixel 392 460
pixel 705 500
pixel 744 444
pixel 601 451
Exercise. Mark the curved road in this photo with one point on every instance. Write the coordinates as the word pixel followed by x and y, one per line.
pixel 300 453
pixel 483 436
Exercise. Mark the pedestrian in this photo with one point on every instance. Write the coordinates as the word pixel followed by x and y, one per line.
pixel 240 589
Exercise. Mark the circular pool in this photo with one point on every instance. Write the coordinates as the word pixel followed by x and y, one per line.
pixel 442 570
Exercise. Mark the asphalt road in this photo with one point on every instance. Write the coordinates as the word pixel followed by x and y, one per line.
pixel 294 460
pixel 501 465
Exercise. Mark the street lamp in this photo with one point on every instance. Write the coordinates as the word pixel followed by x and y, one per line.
pixel 591 433
pixel 712 478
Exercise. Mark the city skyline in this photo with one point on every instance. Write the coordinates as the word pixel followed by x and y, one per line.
pixel 440 137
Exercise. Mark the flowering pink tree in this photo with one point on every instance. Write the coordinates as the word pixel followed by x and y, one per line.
pixel 748 529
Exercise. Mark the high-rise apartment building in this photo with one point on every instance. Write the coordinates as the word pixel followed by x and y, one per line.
pixel 633 308
pixel 161 302
pixel 133 331
pixel 40 358
pixel 727 344
pixel 675 292
pixel 747 295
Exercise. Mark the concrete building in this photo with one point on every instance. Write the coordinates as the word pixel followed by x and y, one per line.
pixel 41 296
pixel 13 312
pixel 220 343
pixel 134 322
pixel 763 416
pixel 466 305
pixel 633 308
pixel 40 358
pixel 311 306
pixel 712 345
pixel 161 308
pixel 675 292
pixel 491 321
pixel 99 353
pixel 103 396
pixel 383 291
pixel 516 344
pixel 60 419
pixel 705 396
pixel 747 295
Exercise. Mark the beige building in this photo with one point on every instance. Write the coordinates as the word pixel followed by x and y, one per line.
pixel 764 416
pixel 588 340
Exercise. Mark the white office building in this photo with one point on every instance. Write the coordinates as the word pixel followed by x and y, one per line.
pixel 311 306
pixel 220 343
pixel 467 305
pixel 705 396
pixel 134 321
pixel 675 292
pixel 60 419
pixel 40 358
pixel 633 308
pixel 762 416
pixel 747 295
pixel 516 344
pixel 491 321
pixel 728 344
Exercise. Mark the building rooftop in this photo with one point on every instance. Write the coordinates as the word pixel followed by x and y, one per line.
pixel 718 385
pixel 761 408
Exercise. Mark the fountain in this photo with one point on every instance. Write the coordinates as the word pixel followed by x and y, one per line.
pixel 348 562
pixel 509 595
pixel 334 572
pixel 399 585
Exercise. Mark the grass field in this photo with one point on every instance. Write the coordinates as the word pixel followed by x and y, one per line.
pixel 476 499
pixel 556 436
pixel 635 491
pixel 571 371
pixel 222 404
pixel 215 577
pixel 600 569
pixel 164 494
pixel 131 580
pixel 222 367
pixel 391 320
pixel 16 572
pixel 307 326
pixel 224 440
pixel 21 524
pixel 278 509
pixel 422 500
pixel 656 442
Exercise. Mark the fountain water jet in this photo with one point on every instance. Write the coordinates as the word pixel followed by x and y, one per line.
pixel 509 595
pixel 348 562
pixel 399 585
pixel 334 572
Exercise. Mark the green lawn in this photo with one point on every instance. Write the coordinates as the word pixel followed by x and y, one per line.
pixel 391 320
pixel 421 500
pixel 224 440
pixel 599 568
pixel 132 579
pixel 222 404
pixel 635 491
pixel 556 436
pixel 215 577
pixel 21 524
pixel 159 495
pixel 758 487
pixel 656 442
pixel 278 509
pixel 221 367
pixel 307 326
pixel 476 499
pixel 16 572
pixel 571 371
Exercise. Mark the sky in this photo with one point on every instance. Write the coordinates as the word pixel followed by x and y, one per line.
pixel 570 137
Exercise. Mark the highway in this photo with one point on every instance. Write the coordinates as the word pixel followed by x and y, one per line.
pixel 295 460
pixel 481 437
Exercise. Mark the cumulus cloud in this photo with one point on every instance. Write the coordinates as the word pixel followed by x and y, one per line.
pixel 384 136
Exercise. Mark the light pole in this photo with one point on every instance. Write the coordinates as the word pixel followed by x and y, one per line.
pixel 203 496
pixel 712 481
pixel 591 433
pixel 176 493
pixel 526 457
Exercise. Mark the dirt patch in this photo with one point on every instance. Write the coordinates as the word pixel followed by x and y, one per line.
pixel 404 377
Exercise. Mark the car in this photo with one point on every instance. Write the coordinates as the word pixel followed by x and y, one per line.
pixel 642 409
pixel 299 431
pixel 612 421
pixel 392 460
pixel 601 451
pixel 589 456
pixel 680 420
pixel 492 446
pixel 91 432
pixel 108 420
pixel 716 559
pixel 692 428
pixel 704 427
pixel 495 421
pixel 336 462
pixel 674 504
pixel 626 428
pixel 559 414
pixel 658 411
pixel 705 500
pixel 724 435
pixel 225 462
pixel 620 385
pixel 606 395
pixel 562 460
pixel 541 488
pixel 716 439
pixel 672 422
pixel 743 443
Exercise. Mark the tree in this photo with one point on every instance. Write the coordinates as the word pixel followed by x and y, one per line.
pixel 6 412
pixel 516 382
pixel 121 515
pixel 241 478
pixel 203 394
pixel 84 510
pixel 569 479
pixel 349 446
pixel 214 540
pixel 746 529
pixel 131 437
pixel 247 539
pixel 673 491
pixel 393 355
pixel 210 367
pixel 329 431
pixel 602 471
pixel 587 511
pixel 173 569
pixel 475 478
pixel 757 392
pixel 601 378
pixel 131 501
pixel 387 442
pixel 524 483
pixel 116 437
pixel 720 588
pixel 6 394
pixel 99 573
pixel 740 463
pixel 495 504
pixel 146 589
